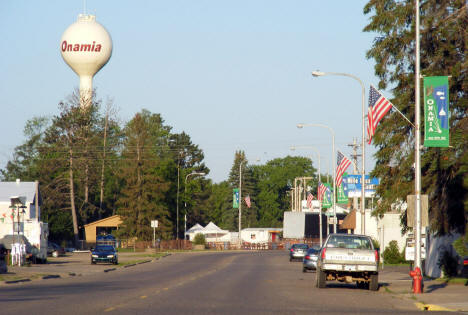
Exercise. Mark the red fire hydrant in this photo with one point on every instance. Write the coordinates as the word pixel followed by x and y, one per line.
pixel 417 280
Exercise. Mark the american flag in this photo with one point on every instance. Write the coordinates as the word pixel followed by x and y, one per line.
pixel 342 164
pixel 310 197
pixel 378 107
pixel 320 191
pixel 247 201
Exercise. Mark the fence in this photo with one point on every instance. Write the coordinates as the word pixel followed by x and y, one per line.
pixel 187 245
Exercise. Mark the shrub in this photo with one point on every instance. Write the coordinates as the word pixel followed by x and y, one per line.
pixel 199 239
pixel 376 243
pixel 461 245
pixel 448 264
pixel 392 253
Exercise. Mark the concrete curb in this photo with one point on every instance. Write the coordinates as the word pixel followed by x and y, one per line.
pixel 433 307
pixel 144 262
pixel 51 277
pixel 17 281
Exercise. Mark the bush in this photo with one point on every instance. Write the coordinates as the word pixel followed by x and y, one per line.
pixel 461 245
pixel 448 264
pixel 376 243
pixel 392 254
pixel 199 239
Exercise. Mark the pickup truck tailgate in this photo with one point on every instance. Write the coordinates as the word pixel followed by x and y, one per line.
pixel 350 259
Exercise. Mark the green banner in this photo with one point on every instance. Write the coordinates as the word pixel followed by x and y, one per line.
pixel 436 112
pixel 235 198
pixel 327 198
pixel 341 196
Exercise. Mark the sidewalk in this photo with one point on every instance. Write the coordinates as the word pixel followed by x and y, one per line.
pixel 437 295
pixel 72 265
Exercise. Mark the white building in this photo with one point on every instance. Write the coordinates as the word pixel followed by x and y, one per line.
pixel 23 221
pixel 211 232
pixel 260 235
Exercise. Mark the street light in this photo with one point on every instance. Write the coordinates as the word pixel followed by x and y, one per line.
pixel 240 199
pixel 363 175
pixel 333 163
pixel 319 178
pixel 185 197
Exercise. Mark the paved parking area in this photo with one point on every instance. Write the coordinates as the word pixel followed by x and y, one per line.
pixel 74 265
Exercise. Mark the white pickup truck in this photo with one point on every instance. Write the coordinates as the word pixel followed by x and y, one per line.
pixel 348 258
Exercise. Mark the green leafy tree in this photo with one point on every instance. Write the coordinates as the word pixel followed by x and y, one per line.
pixel 142 196
pixel 274 184
pixel 443 43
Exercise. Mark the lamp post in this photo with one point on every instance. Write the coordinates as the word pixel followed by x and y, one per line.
pixel 240 200
pixel 363 175
pixel 319 178
pixel 185 197
pixel 333 162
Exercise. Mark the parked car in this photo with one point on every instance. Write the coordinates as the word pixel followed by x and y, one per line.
pixel 55 250
pixel 104 253
pixel 310 259
pixel 298 251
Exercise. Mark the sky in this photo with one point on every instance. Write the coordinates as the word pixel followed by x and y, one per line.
pixel 234 75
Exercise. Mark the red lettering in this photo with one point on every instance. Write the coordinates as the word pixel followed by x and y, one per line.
pixel 81 47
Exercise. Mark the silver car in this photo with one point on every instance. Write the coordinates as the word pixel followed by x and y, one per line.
pixel 310 259
pixel 298 251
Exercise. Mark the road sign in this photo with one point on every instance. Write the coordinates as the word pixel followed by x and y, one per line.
pixel 154 223
pixel 411 201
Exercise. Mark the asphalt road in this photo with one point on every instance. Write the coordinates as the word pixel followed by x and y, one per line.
pixel 199 283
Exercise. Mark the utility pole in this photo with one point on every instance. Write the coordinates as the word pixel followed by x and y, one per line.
pixel 354 157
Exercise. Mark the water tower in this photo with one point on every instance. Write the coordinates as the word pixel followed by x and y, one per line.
pixel 86 47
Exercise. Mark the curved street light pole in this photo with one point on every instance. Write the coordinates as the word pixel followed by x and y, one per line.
pixel 319 178
pixel 333 163
pixel 240 199
pixel 185 198
pixel 363 171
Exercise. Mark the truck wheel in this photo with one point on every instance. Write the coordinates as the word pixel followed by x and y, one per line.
pixel 374 283
pixel 320 279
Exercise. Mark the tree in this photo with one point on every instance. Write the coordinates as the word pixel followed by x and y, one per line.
pixel 142 197
pixel 274 184
pixel 443 43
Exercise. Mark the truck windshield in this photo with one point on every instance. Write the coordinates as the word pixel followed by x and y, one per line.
pixel 350 242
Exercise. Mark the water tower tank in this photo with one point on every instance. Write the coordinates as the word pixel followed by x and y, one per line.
pixel 86 47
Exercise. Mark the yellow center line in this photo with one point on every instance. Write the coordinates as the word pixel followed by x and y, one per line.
pixel 110 309
pixel 143 297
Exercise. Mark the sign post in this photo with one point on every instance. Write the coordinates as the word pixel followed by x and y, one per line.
pixel 154 225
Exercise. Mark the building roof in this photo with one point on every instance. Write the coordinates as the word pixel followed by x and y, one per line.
pixel 264 229
pixel 196 227
pixel 117 218
pixel 18 188
pixel 349 222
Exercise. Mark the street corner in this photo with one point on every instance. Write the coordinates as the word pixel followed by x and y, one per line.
pixel 449 307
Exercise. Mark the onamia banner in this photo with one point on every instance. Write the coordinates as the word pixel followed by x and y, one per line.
pixel 436 112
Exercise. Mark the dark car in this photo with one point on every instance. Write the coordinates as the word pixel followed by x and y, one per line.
pixel 298 251
pixel 104 253
pixel 310 259
pixel 55 250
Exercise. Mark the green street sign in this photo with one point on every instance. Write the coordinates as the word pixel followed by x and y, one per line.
pixel 341 197
pixel 436 112
pixel 327 198
pixel 235 198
